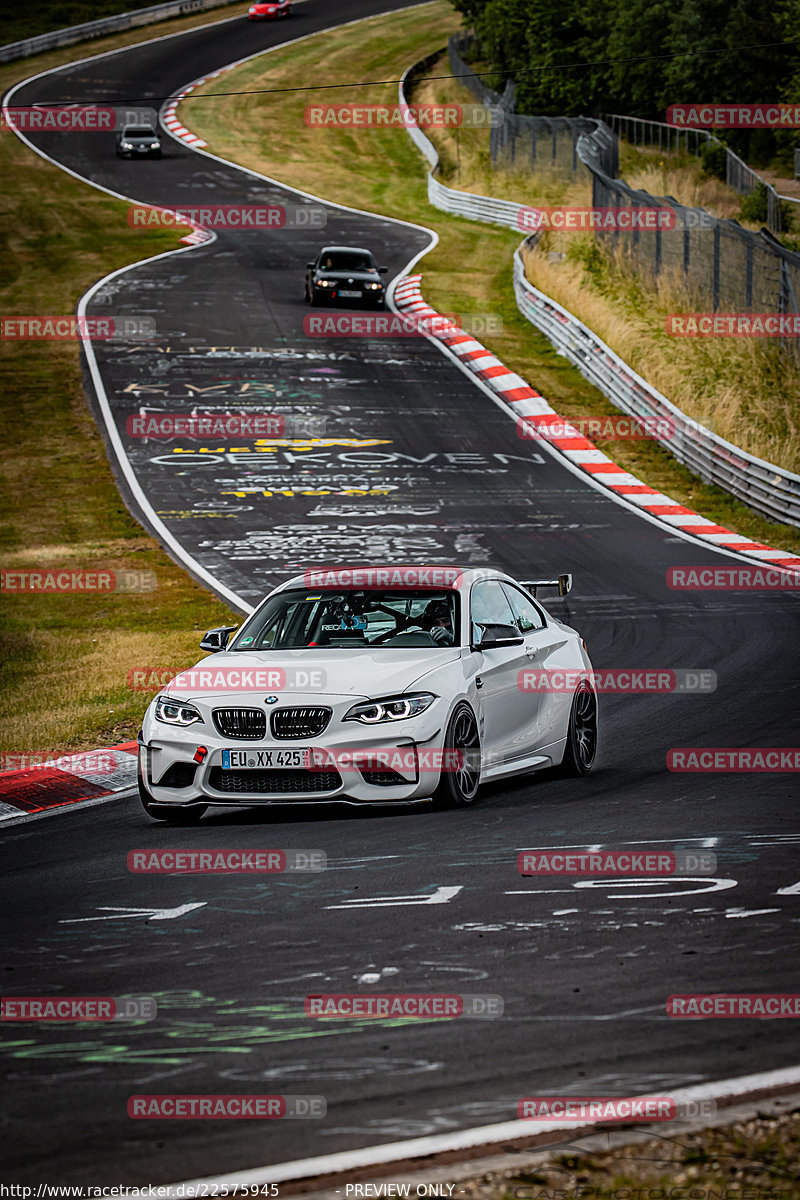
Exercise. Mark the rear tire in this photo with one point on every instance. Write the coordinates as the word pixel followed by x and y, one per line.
pixel 458 786
pixel 581 748
pixel 188 815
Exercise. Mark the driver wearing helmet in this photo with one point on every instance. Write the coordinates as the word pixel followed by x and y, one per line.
pixel 437 621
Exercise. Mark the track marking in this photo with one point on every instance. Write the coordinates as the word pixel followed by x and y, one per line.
pixel 442 895
pixel 152 914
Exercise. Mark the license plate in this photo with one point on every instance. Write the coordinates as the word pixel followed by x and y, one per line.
pixel 350 295
pixel 255 760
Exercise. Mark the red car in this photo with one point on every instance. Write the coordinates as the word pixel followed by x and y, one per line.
pixel 263 10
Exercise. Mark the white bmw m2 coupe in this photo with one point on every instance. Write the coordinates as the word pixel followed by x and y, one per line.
pixel 372 685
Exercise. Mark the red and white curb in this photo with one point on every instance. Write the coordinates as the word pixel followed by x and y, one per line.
pixel 170 121
pixel 525 403
pixel 169 115
pixel 67 780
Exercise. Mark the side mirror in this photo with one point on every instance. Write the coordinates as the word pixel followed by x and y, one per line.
pixel 217 639
pixel 498 635
pixel 309 266
pixel 383 270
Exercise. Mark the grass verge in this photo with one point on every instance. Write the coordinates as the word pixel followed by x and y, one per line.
pixel 381 170
pixel 748 1160
pixel 66 658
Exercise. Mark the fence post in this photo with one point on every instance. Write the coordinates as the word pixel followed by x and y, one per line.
pixel 716 267
pixel 748 276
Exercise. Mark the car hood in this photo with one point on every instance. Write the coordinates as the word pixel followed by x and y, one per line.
pixel 338 672
pixel 356 276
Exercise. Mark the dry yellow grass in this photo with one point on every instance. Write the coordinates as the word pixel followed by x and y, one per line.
pixel 747 390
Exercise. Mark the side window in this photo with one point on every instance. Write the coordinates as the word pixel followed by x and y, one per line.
pixel 527 615
pixel 489 606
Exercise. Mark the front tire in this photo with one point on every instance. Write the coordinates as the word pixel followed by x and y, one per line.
pixel 581 747
pixel 458 784
pixel 189 815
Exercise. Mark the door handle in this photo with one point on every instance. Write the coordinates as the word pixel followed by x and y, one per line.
pixel 478 681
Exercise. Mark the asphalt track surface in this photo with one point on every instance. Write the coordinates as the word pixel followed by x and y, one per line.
pixel 584 971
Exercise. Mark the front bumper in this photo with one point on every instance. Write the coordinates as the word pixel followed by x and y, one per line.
pixel 408 750
pixel 366 300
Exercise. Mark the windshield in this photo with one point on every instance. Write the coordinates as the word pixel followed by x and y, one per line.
pixel 139 132
pixel 346 262
pixel 296 620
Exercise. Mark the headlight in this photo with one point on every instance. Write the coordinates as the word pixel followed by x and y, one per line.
pixel 326 283
pixel 375 287
pixel 126 146
pixel 176 712
pixel 393 708
pixel 155 145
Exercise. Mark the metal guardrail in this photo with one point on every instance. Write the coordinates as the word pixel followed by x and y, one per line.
pixel 738 175
pixel 770 490
pixel 765 487
pixel 113 24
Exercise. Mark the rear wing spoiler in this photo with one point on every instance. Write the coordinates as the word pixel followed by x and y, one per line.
pixel 563 583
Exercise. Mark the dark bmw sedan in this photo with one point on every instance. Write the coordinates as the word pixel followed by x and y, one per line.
pixel 347 275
